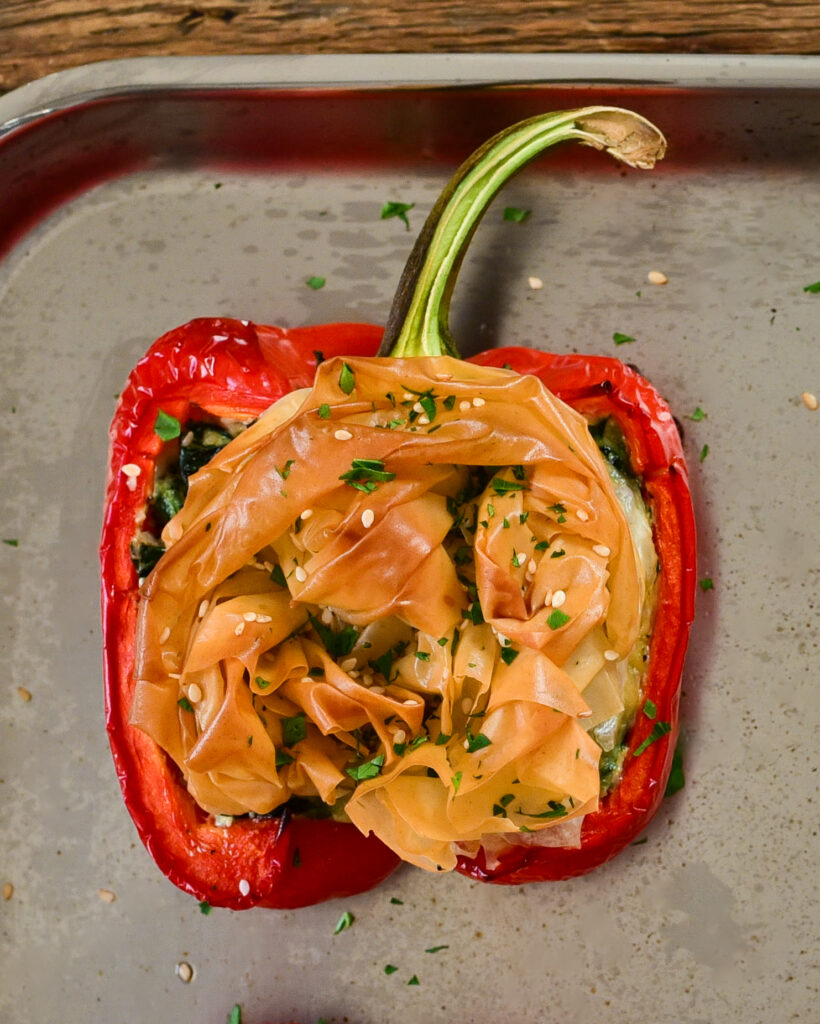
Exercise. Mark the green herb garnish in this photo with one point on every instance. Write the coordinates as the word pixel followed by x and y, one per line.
pixel 315 282
pixel 509 654
pixel 294 729
pixel 659 729
pixel 185 704
pixel 478 742
pixel 706 584
pixel 400 210
pixel 557 619
pixel 347 379
pixel 368 770
pixel 515 214
pixel 323 411
pixel 650 709
pixel 166 427
pixel 344 922
pixel 622 339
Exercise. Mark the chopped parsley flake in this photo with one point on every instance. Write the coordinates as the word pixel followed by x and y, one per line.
pixel 205 907
pixel 344 922
pixel 282 759
pixel 515 214
pixel 294 729
pixel 12 542
pixel 390 969
pixel 457 781
pixel 706 584
pixel 423 655
pixel 443 738
pixel 278 576
pixel 557 619
pixel 704 452
pixel 324 411
pixel 509 654
pixel 659 729
pixel 400 210
pixel 347 379
pixel 812 288
pixel 697 415
pixel 315 282
pixel 650 709
pixel 185 704
pixel 166 427
pixel 475 743
pixel 558 553
pixel 449 402
pixel 337 645
pixel 677 779
pixel 396 901
pixel 368 770
pixel 436 949
pixel 414 980
pixel 262 683
pixel 284 472
pixel 366 474
pixel 622 339
pixel 502 486
pixel 236 1014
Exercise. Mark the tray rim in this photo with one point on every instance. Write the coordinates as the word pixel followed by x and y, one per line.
pixel 104 79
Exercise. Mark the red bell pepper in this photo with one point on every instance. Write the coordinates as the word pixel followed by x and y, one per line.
pixel 232 368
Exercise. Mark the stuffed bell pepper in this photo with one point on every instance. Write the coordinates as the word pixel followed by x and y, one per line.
pixel 365 602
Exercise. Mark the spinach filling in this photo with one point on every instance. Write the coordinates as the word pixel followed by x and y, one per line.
pixel 201 440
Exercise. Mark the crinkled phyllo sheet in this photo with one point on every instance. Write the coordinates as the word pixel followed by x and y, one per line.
pixel 406 592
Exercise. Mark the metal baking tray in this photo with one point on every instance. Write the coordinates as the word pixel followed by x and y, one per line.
pixel 136 195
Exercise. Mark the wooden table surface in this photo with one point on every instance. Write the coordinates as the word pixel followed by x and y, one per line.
pixel 41 36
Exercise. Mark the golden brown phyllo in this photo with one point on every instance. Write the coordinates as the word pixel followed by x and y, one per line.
pixel 409 593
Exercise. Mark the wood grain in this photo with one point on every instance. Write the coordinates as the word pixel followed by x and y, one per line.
pixel 41 36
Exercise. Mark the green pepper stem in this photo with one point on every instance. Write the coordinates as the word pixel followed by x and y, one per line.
pixel 418 321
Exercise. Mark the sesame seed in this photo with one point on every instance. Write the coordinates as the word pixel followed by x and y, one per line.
pixel 249 616
pixel 602 550
pixel 187 439
pixel 478 401
pixel 418 407
pixel 165 634
pixel 223 820
pixel 656 277
pixel 377 689
pixel 300 574
pixel 424 420
pixel 342 435
pixel 583 515
pixel 203 608
pixel 466 744
pixel 239 629
pixel 8 890
pixel 185 972
pixel 131 469
pixel 408 396
pixel 195 693
pixel 411 703
pixel 106 895
pixel 585 714
pixel 327 616
pixel 368 517
pixel 809 400
pixel 535 283
pixel 443 376
pixel 308 512
pixel 348 664
pixel 531 567
pixel 558 598
pixel 131 483
pixel 611 655
pixel 464 406
pixel 244 886
pixel 24 694
pixel 306 679
pixel 174 675
pixel 399 736
pixel 264 618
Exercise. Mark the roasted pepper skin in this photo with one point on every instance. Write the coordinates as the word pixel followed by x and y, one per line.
pixel 236 369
